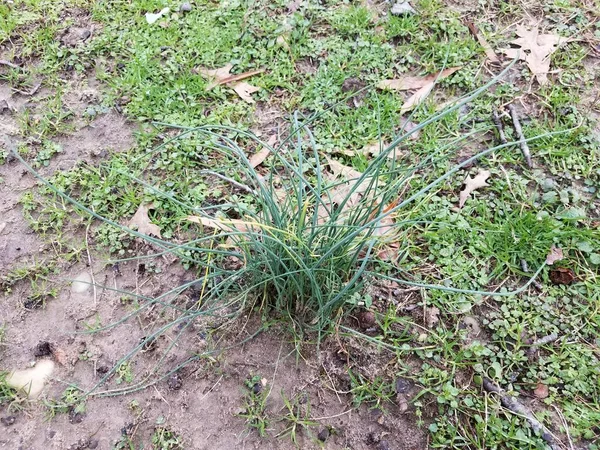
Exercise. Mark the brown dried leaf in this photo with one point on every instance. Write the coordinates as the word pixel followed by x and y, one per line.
pixel 258 158
pixel 244 90
pixel 535 50
pixel 556 254
pixel 471 184
pixel 489 52
pixel 541 391
pixel 407 83
pixel 141 220
pixel 223 75
pixel 562 275
pixel 432 316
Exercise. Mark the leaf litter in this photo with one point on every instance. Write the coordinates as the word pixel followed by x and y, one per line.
pixel 141 221
pixel 472 184
pixel 424 86
pixel 535 49
pixel 223 76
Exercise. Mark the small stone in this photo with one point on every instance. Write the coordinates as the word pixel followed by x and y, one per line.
pixel 403 385
pixel 323 434
pixel 185 7
pixel 175 382
pixel 8 420
pixel 85 34
pixel 402 8
pixel 82 283
pixel 44 348
pixel 366 319
pixel 257 388
pixel 93 443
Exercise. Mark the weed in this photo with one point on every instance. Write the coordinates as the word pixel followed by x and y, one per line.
pixel 165 439
pixel 297 417
pixel 255 405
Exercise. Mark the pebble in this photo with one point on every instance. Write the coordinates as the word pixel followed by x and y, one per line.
pixel 81 283
pixel 8 420
pixel 85 34
pixel 323 434
pixel 185 7
pixel 402 385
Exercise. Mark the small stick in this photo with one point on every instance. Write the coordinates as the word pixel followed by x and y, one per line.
pixel 539 342
pixel 499 127
pixel 519 131
pixel 513 405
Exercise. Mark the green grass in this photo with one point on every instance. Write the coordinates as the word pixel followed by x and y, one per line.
pixel 323 271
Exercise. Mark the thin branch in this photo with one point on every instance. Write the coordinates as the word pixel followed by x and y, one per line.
pixel 516 407
pixel 520 136
pixel 499 127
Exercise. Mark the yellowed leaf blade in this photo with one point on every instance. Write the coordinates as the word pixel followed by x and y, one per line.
pixel 244 90
pixel 216 224
pixel 471 184
pixel 141 221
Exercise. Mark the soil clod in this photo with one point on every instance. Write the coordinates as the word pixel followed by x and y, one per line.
pixel 44 348
pixel 8 420
pixel 323 434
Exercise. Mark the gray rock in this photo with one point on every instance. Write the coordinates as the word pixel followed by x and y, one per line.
pixel 185 7
pixel 402 8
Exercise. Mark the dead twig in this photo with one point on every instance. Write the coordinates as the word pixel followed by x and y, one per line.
pixel 499 127
pixel 516 407
pixel 519 131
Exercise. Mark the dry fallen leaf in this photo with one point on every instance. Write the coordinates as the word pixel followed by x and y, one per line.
pixel 244 90
pixel 407 83
pixel 489 52
pixel 222 76
pixel 541 391
pixel 535 49
pixel 258 158
pixel 562 275
pixel 556 254
pixel 152 18
pixel 432 316
pixel 141 220
pixel 471 184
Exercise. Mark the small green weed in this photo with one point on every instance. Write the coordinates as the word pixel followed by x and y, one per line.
pixel 255 405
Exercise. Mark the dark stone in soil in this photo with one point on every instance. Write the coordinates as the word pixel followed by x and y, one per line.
pixel 175 382
pixel 75 417
pixel 102 370
pixel 257 388
pixel 323 434
pixel 403 385
pixel 44 348
pixel 85 34
pixel 8 420
pixel 93 443
pixel 366 319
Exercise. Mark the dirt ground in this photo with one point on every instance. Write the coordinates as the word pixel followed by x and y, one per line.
pixel 203 402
